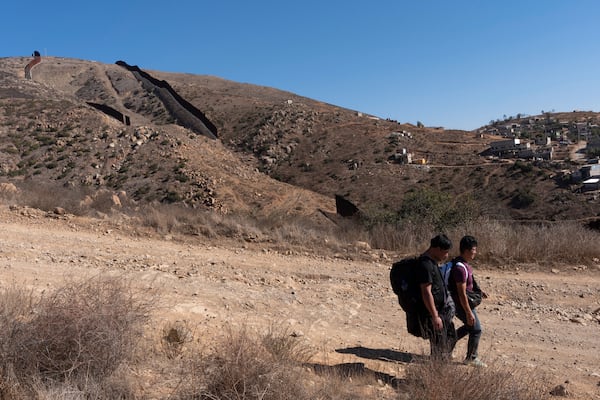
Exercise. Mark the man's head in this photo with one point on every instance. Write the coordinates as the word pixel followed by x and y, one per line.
pixel 468 247
pixel 439 247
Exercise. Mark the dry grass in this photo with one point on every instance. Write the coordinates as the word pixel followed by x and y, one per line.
pixel 560 243
pixel 245 365
pixel 500 243
pixel 242 367
pixel 175 336
pixel 503 244
pixel 78 335
pixel 443 381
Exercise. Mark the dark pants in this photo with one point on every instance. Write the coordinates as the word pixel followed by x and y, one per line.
pixel 441 342
pixel 474 332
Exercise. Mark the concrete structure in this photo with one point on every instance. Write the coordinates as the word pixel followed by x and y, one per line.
pixel 403 157
pixel 591 184
pixel 590 171
pixel 543 141
pixel 505 145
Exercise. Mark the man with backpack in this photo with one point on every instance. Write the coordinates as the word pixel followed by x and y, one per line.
pixel 437 310
pixel 467 295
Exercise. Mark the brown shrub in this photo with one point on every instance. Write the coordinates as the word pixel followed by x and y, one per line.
pixel 240 367
pixel 81 332
pixel 445 381
pixel 247 366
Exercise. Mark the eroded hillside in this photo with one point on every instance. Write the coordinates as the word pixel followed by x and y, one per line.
pixel 50 132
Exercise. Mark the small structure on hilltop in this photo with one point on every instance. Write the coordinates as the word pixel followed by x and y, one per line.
pixel 402 157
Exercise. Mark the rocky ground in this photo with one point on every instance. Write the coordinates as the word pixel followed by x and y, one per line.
pixel 547 322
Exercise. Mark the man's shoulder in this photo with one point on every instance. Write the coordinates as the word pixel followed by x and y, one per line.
pixel 427 261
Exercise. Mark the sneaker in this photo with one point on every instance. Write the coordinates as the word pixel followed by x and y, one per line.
pixel 475 362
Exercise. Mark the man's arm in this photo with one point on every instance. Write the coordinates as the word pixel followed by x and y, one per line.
pixel 461 288
pixel 430 305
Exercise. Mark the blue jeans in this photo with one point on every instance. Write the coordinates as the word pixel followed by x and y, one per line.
pixel 474 332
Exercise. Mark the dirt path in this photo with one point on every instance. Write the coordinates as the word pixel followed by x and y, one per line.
pixel 547 322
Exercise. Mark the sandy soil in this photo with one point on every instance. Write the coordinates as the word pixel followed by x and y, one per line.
pixel 547 322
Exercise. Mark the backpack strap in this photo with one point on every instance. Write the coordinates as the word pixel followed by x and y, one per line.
pixel 463 266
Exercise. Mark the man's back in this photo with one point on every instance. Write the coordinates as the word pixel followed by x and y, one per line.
pixel 429 273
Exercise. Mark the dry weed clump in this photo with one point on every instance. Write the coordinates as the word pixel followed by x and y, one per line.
pixel 241 367
pixel 501 242
pixel 446 381
pixel 174 337
pixel 78 334
pixel 247 366
pixel 73 200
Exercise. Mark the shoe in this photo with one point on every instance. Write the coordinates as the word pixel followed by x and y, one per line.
pixel 475 362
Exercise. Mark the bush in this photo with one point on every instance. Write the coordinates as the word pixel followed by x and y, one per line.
pixel 272 366
pixel 522 199
pixel 444 381
pixel 80 333
pixel 243 367
pixel 442 210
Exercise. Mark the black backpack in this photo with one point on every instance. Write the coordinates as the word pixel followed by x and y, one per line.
pixel 404 284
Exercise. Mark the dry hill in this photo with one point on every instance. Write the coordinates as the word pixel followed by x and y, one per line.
pixel 312 150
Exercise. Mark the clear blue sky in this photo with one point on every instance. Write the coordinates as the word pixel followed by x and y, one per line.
pixel 457 64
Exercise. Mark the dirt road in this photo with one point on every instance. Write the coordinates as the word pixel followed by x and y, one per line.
pixel 548 322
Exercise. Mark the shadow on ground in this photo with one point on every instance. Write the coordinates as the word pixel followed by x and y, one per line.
pixel 359 369
pixel 350 370
pixel 381 354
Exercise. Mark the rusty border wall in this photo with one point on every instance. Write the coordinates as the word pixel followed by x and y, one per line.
pixel 36 60
pixel 184 112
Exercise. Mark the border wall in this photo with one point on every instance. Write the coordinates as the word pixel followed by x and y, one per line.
pixel 181 110
pixel 36 60
pixel 108 110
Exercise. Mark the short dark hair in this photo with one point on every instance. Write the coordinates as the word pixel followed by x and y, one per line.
pixel 441 241
pixel 467 243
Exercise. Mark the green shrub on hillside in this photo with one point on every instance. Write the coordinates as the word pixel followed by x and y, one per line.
pixel 439 209
pixel 522 199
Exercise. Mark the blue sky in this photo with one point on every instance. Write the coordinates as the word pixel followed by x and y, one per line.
pixel 456 64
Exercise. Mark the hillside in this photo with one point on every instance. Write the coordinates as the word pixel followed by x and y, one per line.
pixel 50 134
pixel 312 150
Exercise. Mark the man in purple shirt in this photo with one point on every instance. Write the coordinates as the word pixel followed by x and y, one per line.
pixel 460 284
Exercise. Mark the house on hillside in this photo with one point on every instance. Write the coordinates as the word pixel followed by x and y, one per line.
pixel 500 147
pixel 510 130
pixel 582 127
pixel 593 144
pixel 590 171
pixel 543 141
pixel 512 148
pixel 591 184
pixel 402 157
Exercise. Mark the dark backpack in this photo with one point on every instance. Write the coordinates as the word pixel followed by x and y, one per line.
pixel 404 284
